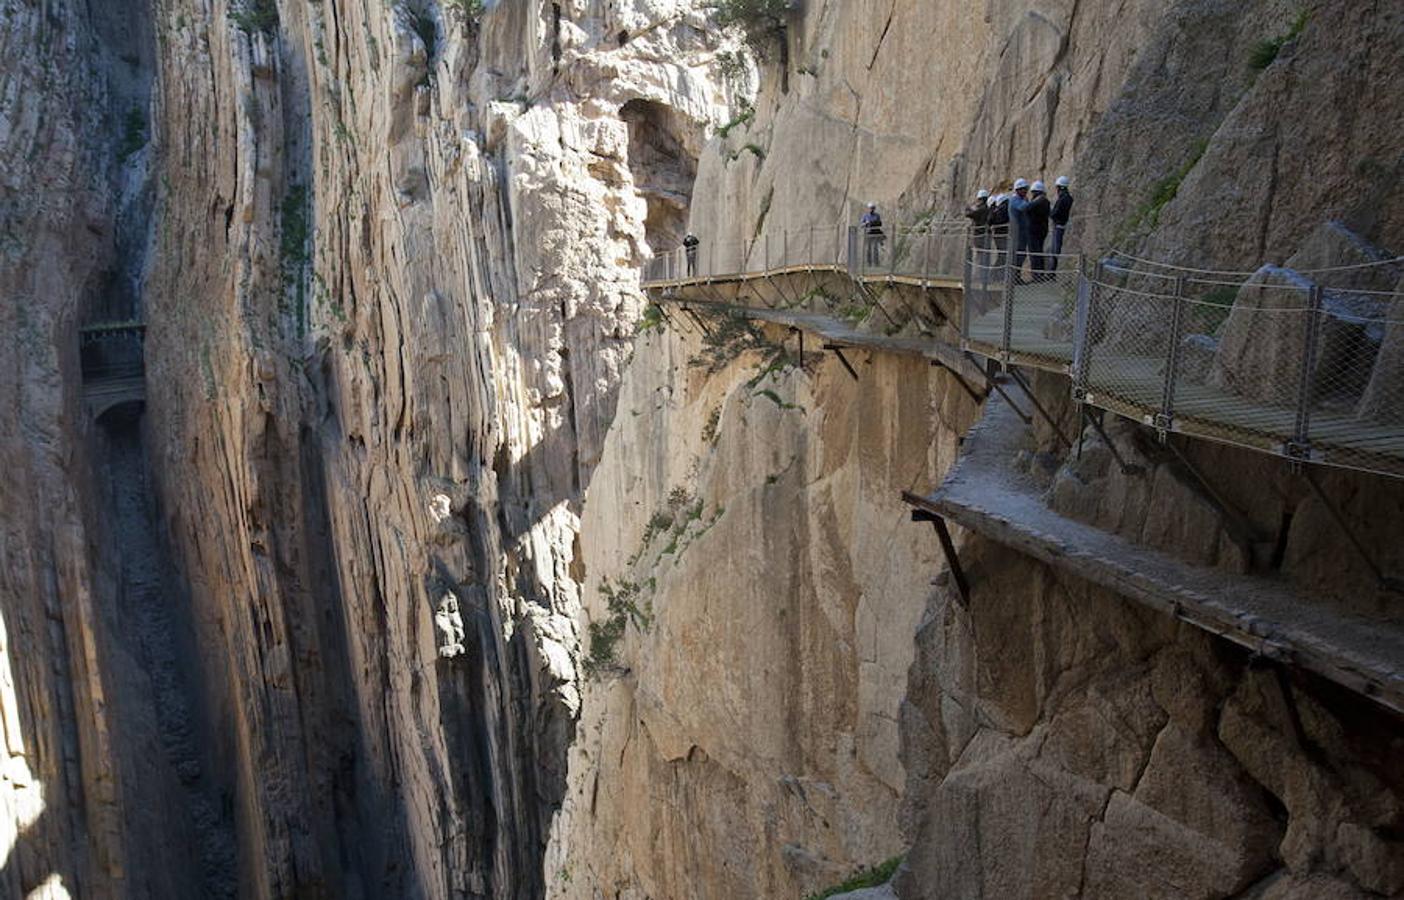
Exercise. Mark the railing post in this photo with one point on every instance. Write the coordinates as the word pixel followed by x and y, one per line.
pixel 785 249
pixel 1008 306
pixel 809 249
pixel 765 264
pixel 926 260
pixel 1300 446
pixel 1172 362
pixel 1082 329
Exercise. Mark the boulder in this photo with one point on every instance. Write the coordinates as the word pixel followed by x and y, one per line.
pixel 1263 342
pixel 1382 400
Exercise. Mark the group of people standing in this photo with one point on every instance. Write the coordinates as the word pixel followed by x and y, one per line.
pixel 1026 215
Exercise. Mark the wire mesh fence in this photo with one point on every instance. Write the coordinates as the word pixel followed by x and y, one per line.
pixel 1307 364
pixel 1275 362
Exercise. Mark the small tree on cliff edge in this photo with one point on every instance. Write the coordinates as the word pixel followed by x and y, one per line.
pixel 764 24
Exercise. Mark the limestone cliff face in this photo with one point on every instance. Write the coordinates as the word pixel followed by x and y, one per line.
pixel 386 254
pixel 421 573
pixel 1055 739
pixel 394 290
pixel 740 740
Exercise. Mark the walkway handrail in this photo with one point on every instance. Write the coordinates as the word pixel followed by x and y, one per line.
pixel 1271 360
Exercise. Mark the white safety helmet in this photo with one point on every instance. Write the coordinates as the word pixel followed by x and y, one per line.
pixel 872 206
pixel 1038 188
pixel 982 194
pixel 1062 181
pixel 1020 184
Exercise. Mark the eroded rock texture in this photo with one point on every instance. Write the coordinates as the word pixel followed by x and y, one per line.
pixel 419 573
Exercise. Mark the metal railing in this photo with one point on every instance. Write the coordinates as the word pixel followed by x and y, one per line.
pixel 925 251
pixel 112 351
pixel 1305 365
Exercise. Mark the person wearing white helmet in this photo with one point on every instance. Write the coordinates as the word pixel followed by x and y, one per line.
pixel 1062 208
pixel 979 215
pixel 1019 224
pixel 1038 230
pixel 999 226
pixel 873 237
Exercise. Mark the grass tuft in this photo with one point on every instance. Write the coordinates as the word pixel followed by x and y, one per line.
pixel 875 876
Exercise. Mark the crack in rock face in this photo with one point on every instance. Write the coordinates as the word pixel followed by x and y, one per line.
pixel 433 561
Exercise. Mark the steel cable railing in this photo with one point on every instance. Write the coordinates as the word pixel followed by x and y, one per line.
pixel 1272 360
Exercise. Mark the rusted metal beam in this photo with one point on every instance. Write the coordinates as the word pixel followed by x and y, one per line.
pixel 838 351
pixel 1386 581
pixel 922 512
pixel 1028 392
pixel 974 394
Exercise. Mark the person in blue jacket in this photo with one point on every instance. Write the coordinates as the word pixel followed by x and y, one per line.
pixel 1019 225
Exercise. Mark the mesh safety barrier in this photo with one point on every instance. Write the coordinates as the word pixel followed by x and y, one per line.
pixel 1308 365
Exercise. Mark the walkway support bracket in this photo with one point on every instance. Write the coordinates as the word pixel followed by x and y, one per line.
pixel 1096 419
pixel 992 383
pixel 838 351
pixel 1238 527
pixel 1028 392
pixel 960 379
pixel 1385 581
pixel 800 332
pixel 921 513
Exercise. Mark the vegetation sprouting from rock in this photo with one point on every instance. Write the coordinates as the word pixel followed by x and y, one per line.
pixel 1265 51
pixel 762 22
pixel 255 15
pixel 866 878
pixel 133 134
pixel 730 335
pixel 1166 189
pixel 622 603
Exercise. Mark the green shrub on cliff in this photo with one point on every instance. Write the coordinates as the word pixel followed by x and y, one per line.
pixel 866 878
pixel 255 15
pixel 1265 51
pixel 761 21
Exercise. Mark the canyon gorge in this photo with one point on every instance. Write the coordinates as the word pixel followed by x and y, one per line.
pixel 434 554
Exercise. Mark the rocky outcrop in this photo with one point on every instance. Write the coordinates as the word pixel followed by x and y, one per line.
pixel 745 532
pixel 1084 746
pixel 420 574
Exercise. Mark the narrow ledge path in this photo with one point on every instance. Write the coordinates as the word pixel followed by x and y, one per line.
pixel 986 494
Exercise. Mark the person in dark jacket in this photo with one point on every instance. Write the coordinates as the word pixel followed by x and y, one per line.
pixel 979 215
pixel 690 250
pixel 1019 225
pixel 1062 209
pixel 1038 212
pixel 999 227
pixel 871 227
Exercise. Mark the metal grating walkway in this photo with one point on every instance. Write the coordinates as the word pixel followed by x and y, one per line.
pixel 1305 366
